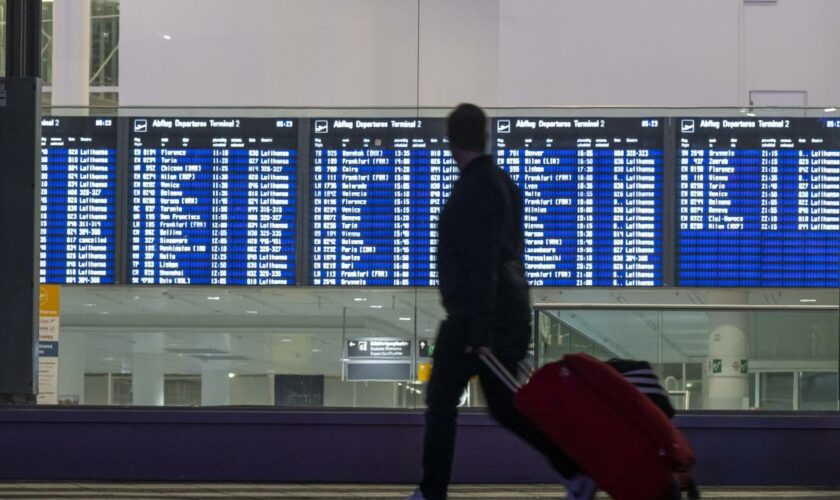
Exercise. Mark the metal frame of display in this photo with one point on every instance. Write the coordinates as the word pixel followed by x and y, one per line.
pixel 303 232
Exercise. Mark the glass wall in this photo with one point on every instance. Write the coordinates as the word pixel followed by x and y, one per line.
pixel 370 347
pixel 104 51
pixel 299 347
pixel 756 358
pixel 246 346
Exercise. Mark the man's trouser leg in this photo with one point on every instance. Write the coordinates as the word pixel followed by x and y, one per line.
pixel 451 372
pixel 503 408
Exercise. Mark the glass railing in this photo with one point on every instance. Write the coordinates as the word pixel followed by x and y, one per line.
pixel 709 357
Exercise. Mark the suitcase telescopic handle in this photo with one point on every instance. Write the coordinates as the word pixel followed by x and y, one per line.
pixel 492 362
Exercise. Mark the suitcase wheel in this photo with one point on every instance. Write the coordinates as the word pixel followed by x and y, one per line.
pixel 683 482
pixel 691 490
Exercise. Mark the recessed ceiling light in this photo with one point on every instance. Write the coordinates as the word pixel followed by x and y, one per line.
pixel 405 319
pixel 376 307
pixel 360 299
pixel 285 340
pixel 108 359
pixel 316 350
pixel 807 300
pixel 252 312
pixel 90 305
pixel 104 312
pixel 136 297
pixel 167 37
pixel 214 298
pixel 751 114
pixel 231 375
pixel 830 110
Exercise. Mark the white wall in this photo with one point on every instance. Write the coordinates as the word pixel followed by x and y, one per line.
pixel 250 390
pixel 651 52
pixel 459 44
pixel 268 52
pixel 96 389
pixel 794 45
pixel 494 52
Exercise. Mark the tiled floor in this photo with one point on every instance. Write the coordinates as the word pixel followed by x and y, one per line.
pixel 327 491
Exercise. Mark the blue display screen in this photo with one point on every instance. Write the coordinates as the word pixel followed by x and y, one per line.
pixel 378 186
pixel 759 202
pixel 214 201
pixel 592 191
pixel 78 200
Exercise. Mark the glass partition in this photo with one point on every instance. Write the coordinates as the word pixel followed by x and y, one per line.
pixel 628 205
pixel 104 51
pixel 710 357
pixel 358 346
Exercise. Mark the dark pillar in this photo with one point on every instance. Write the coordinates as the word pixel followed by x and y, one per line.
pixel 20 136
pixel 23 38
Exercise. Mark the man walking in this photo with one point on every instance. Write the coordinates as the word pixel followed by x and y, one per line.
pixel 485 294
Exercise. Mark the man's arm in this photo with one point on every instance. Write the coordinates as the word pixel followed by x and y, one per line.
pixel 478 223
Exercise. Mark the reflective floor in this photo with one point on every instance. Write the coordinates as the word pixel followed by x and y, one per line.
pixel 332 491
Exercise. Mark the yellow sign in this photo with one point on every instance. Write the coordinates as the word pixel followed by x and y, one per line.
pixel 49 300
pixel 424 372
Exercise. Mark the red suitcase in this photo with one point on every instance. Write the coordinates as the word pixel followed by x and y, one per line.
pixel 603 422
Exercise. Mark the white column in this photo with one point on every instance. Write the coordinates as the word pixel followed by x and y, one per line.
pixel 71 53
pixel 147 379
pixel 71 365
pixel 270 377
pixel 215 385
pixel 725 379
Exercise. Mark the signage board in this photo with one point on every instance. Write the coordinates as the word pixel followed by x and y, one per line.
pixel 379 348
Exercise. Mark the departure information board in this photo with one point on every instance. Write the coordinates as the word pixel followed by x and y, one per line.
pixel 592 191
pixel 759 202
pixel 378 186
pixel 214 201
pixel 78 200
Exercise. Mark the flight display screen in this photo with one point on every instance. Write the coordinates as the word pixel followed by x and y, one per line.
pixel 213 201
pixel 592 192
pixel 759 202
pixel 377 186
pixel 78 200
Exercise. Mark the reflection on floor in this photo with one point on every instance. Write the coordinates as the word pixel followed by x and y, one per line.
pixel 332 491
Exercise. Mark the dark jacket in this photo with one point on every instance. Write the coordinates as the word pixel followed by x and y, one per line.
pixel 482 275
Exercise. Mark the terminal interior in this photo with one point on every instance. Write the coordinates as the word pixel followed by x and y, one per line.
pixel 225 346
pixel 680 170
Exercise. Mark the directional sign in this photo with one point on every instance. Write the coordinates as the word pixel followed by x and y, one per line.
pixel 379 348
pixel 425 349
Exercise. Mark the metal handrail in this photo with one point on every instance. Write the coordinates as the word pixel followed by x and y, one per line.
pixel 104 63
pixel 542 306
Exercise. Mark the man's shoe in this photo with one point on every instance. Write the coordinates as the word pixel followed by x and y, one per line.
pixel 417 495
pixel 581 487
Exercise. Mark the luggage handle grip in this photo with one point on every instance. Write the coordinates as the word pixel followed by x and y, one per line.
pixel 492 362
